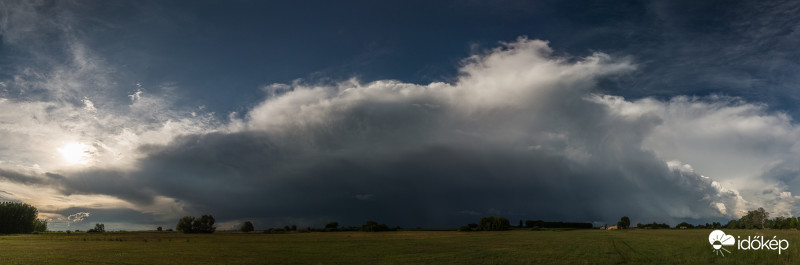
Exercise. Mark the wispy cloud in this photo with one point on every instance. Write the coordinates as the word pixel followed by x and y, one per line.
pixel 77 217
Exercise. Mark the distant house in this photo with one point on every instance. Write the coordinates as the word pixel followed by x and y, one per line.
pixel 613 227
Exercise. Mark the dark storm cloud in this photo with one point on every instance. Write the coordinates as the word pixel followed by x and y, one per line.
pixel 424 185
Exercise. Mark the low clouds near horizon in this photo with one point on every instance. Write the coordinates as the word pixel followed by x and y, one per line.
pixel 522 133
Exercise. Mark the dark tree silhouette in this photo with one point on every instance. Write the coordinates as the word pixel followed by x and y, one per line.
pixel 624 223
pixel 189 224
pixel 98 228
pixel 185 224
pixel 19 218
pixel 332 226
pixel 247 227
pixel 204 224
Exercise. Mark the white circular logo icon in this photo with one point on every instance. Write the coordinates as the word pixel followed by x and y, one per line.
pixel 717 239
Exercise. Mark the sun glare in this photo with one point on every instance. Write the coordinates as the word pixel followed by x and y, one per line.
pixel 76 153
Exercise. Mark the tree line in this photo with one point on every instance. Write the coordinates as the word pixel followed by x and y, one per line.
pixel 755 219
pixel 759 219
pixel 368 226
pixel 490 223
pixel 20 218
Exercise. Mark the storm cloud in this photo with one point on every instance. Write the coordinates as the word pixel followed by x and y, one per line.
pixel 522 133
pixel 521 130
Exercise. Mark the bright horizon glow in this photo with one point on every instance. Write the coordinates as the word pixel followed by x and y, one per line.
pixel 76 153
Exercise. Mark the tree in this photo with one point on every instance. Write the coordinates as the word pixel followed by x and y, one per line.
pixel 17 218
pixel 189 224
pixel 755 219
pixel 98 228
pixel 247 227
pixel 159 229
pixel 204 224
pixel 185 224
pixel 493 223
pixel 762 215
pixel 39 226
pixel 624 223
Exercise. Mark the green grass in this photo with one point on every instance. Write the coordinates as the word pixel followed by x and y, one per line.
pixel 404 247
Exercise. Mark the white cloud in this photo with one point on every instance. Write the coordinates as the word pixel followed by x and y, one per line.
pixel 77 217
pixel 743 145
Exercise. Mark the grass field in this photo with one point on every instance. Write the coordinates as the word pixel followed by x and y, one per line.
pixel 403 247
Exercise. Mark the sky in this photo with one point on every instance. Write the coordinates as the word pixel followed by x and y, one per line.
pixel 410 113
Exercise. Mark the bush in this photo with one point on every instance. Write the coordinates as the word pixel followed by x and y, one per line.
pixel 464 228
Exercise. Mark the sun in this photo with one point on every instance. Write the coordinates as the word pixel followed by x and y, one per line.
pixel 76 153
